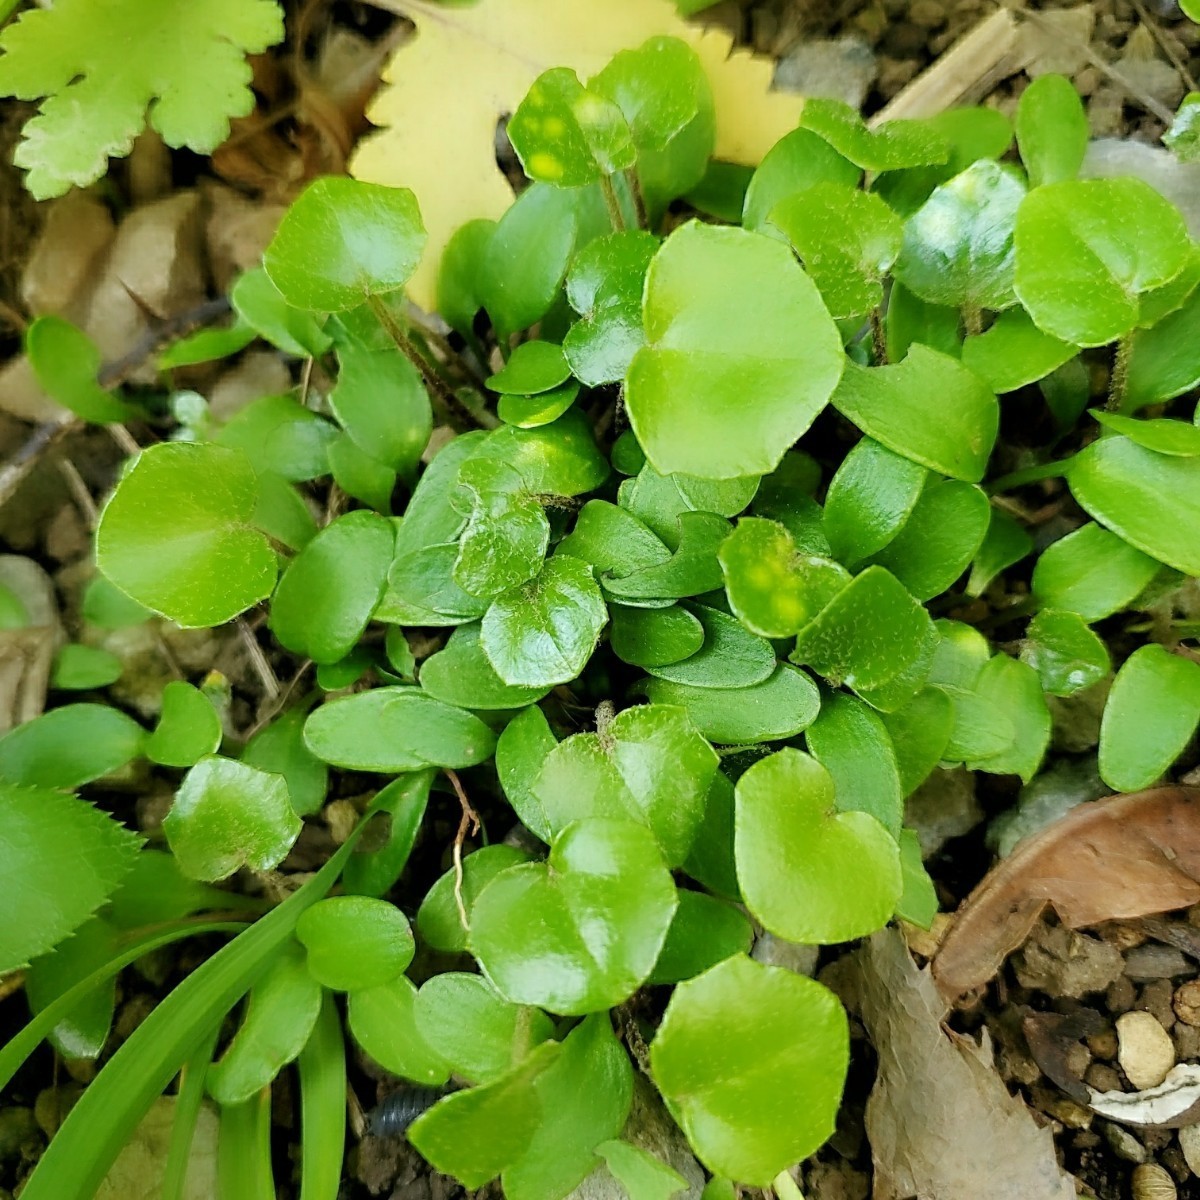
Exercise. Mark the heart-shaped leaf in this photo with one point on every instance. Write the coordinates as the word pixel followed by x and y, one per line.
pixel 1014 352
pixel 651 637
pixel 228 815
pixel 581 932
pixel 648 765
pixel 808 872
pixel 439 920
pixel 1091 572
pixel 534 367
pixel 1065 653
pixel 731 656
pixel 721 306
pixel 188 728
pixel 177 535
pixel 343 241
pixel 383 1020
pixel 798 161
pixel 730 1044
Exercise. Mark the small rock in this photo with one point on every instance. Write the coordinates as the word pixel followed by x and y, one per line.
pixel 1124 1145
pixel 1103 1045
pixel 1062 962
pixel 257 373
pixel 77 231
pixel 871 22
pixel 1106 111
pixel 1062 1108
pixel 1152 1182
pixel 1146 1052
pixel 1120 996
pixel 1189 1143
pixel 835 1181
pixel 1155 998
pixel 1058 43
pixel 1186 1002
pixel 835 68
pixel 943 807
pixel 1155 961
pixel 1187 1042
pixel 236 231
pixel 1102 1078
pixel 18 1132
pixel 1148 73
pixel 896 73
pixel 904 40
pixel 774 951
pixel 927 14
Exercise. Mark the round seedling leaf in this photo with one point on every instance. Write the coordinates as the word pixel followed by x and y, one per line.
pixel 188 728
pixel 958 247
pixel 355 942
pixel 780 707
pixel 890 146
pixel 774 590
pixel 260 304
pixel 610 270
pixel 70 746
pixel 278 434
pixel 227 815
pixel 808 872
pixel 532 412
pixel 1151 500
pixel 721 309
pixel 439 921
pixel 396 729
pixel 1087 249
pixel 460 674
pixel 799 161
pixel 66 362
pixel 581 932
pixel 533 367
pixel 330 589
pixel 652 637
pixel 640 1173
pixel 846 238
pixel 568 135
pixel 343 241
pixel 929 408
pixel 178 534
pixel 1151 715
pixel 383 1020
pixel 1065 653
pixel 81 668
pixel 1014 352
pixel 520 752
pixel 279 747
pixel 648 765
pixel 731 1043
pixel 1092 572
pixel 280 1016
pixel 1052 130
pixel 479 1033
pixel 542 633
pixel 1164 435
pixel 704 932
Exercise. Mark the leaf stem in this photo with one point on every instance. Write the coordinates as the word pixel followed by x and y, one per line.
pixel 639 198
pixel 1119 379
pixel 1016 479
pixel 878 338
pixel 434 382
pixel 785 1187
pixel 972 319
pixel 613 203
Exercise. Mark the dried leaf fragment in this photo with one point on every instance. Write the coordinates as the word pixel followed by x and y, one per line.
pixel 1130 856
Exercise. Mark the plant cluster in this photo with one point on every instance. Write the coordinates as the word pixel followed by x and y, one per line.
pixel 713 558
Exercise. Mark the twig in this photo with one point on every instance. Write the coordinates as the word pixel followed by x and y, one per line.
pixel 1166 44
pixel 79 491
pixel 468 823
pixel 166 330
pixel 16 470
pixel 270 708
pixel 258 660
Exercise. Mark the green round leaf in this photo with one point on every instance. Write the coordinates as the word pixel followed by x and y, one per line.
pixel 1151 500
pixel 177 535
pixel 600 347
pixel 458 296
pixel 692 570
pixel 1005 544
pixel 774 590
pixel 479 1033
pixel 227 815
pixel 188 727
pixel 383 1021
pixel 1151 715
pixel 399 808
pixel 1052 130
pixel 651 637
pixel 735 1040
pixel 330 589
pixel 929 408
pixel 798 161
pixel 648 765
pixel 343 241
pixel 66 362
pixel 543 633
pixel 581 932
pixel 640 1173
pixel 721 309
pixel 847 240
pixel 808 872
pixel 81 668
pixel 731 656
pixel 1091 572
pixel 394 729
pixel 1086 249
pixel 355 942
pixel 520 752
pixel 70 746
pixel 531 412
pixel 1013 690
pixel 889 146
pixel 278 434
pixel 1065 653
pixel 568 135
pixel 1164 361
pixel 438 920
pixel 958 247
pixel 779 707
pixel 1163 435
pixel 1014 352
pixel 460 674
pixel 704 932
pixel 533 367
pixel 919 732
pixel 279 1018
pixel 611 270
pixel 261 305
pixel 279 747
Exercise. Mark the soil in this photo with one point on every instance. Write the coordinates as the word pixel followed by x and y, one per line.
pixel 1065 990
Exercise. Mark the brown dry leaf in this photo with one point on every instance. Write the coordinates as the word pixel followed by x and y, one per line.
pixel 467 67
pixel 941 1123
pixel 1125 857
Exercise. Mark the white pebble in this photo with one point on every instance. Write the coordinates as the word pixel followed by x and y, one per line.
pixel 1144 1049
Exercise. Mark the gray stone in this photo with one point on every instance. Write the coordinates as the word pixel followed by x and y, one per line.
pixel 1048 797
pixel 1153 961
pixel 834 68
pixel 943 807
pixel 77 231
pixel 1064 963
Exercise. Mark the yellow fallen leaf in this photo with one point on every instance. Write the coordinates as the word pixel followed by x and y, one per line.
pixel 466 67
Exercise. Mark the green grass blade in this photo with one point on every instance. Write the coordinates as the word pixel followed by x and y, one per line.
pixel 18 1048
pixel 323 1106
pixel 244 1150
pixel 187 1110
pixel 79 1157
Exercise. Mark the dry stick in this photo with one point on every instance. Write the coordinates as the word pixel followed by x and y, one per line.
pixel 258 660
pixel 1165 43
pixel 468 822
pixel 79 492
